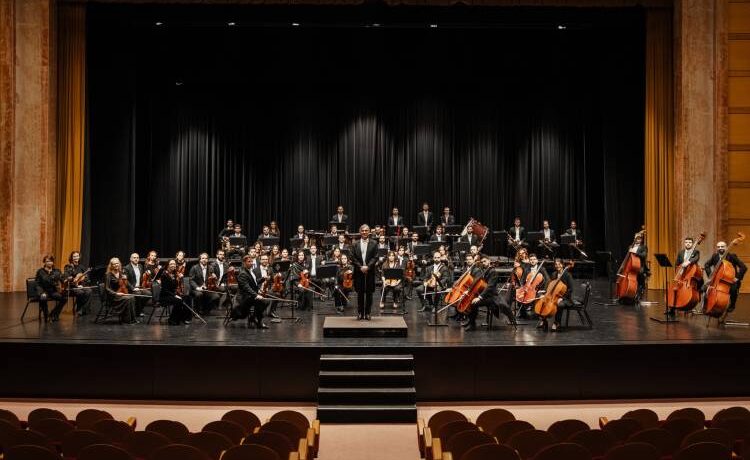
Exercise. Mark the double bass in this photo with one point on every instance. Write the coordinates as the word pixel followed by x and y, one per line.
pixel 627 275
pixel 720 283
pixel 683 292
pixel 556 290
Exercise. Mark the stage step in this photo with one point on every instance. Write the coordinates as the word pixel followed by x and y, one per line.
pixel 367 388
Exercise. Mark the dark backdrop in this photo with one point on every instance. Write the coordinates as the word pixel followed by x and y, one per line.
pixel 503 114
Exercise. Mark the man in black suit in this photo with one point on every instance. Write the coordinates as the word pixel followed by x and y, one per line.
pixel 640 249
pixel 220 267
pixel 549 240
pixel 441 274
pixel 249 282
pixel 490 297
pixel 424 218
pixel 204 301
pixel 439 236
pixel 340 217
pixel 134 272
pixel 364 257
pixel 574 231
pixel 739 269
pixel 517 232
pixel 395 220
pixel 470 237
pixel 446 218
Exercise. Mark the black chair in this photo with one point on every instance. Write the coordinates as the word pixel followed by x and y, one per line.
pixel 32 297
pixel 492 418
pixel 580 306
pixel 155 304
pixel 245 419
pixel 105 308
pixel 691 413
pixel 562 430
pixel 704 450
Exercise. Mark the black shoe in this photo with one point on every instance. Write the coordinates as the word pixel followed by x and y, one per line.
pixel 368 317
pixel 359 318
pixel 262 325
pixel 470 326
pixel 274 315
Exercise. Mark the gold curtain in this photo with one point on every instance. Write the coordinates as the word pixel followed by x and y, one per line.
pixel 71 127
pixel 659 139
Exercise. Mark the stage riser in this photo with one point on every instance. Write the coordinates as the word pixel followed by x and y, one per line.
pixel 374 396
pixel 346 380
pixel 443 373
pixel 366 363
pixel 360 416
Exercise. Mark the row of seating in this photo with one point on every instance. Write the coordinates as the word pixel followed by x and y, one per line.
pixel 685 434
pixel 96 435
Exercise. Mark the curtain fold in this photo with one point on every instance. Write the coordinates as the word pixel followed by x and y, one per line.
pixel 71 127
pixel 659 143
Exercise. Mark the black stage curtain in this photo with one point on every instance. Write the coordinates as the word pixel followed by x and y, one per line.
pixel 191 125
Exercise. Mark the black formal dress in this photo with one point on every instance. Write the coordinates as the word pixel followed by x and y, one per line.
pixel 124 306
pixel 364 283
pixel 82 296
pixel 168 297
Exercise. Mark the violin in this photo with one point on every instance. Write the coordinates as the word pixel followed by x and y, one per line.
pixel 348 279
pixel 627 275
pixel 278 283
pixel 231 277
pixel 717 297
pixel 122 285
pixel 212 282
pixel 683 291
pixel 556 290
pixel 304 279
pixel 410 270
pixel 178 277
pixel 147 280
pixel 76 281
pixel 527 293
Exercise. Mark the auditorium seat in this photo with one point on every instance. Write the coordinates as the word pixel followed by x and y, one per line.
pixel 460 443
pixel 561 430
pixel 210 443
pixel 718 435
pixel 564 451
pixel 528 442
pixel 246 419
pixel 175 431
pixel 76 440
pixel 621 429
pixel 646 417
pixel 10 417
pixel 598 442
pixel 104 452
pixel 142 443
pixel 44 413
pixel 490 452
pixel 738 428
pixel 53 429
pixel 292 433
pixel 114 431
pixel 690 413
pixel 299 419
pixel 664 441
pixel 178 452
pixel 492 418
pixel 504 431
pixel 681 427
pixel 449 429
pixel 426 431
pixel 86 418
pixel 250 452
pixel 231 430
pixel 26 437
pixel 279 443
pixel 703 451
pixel 30 452
pixel 731 412
pixel 632 451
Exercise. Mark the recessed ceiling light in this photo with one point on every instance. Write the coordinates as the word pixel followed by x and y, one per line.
pixel 561 27
pixel 158 23
pixel 433 26
pixel 230 24
pixel 295 24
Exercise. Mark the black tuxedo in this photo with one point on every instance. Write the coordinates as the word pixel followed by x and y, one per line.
pixel 196 276
pixel 364 283
pixel 220 274
pixel 395 222
pixel 443 238
pixel 472 239
pixel 521 233
pixel 422 220
pixel 344 219
pixel 694 257
pixel 130 273
pixel 449 220
pixel 248 284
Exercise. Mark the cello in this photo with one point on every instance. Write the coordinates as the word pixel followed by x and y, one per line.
pixel 720 283
pixel 683 293
pixel 464 290
pixel 627 275
pixel 527 293
pixel 556 289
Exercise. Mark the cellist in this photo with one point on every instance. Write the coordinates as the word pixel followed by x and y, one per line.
pixel 490 297
pixel 534 266
pixel 739 268
pixel 567 300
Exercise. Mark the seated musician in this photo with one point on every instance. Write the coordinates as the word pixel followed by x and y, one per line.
pixel 179 259
pixel 249 283
pixel 382 243
pixel 332 231
pixel 424 218
pixel 135 271
pixel 412 243
pixel 315 260
pixel 235 249
pixel 340 291
pixel 470 237
pixel 445 257
pixel 342 243
pixel 273 229
pixel 300 235
pixel 436 277
pixel 378 231
pixel 526 311
pixel 567 300
pixel 573 230
pixel 340 217
pixel 395 220
pixel 739 268
pixel 204 300
pixel 548 242
pixel 302 294
pixel 48 279
pixel 75 274
pixel 275 253
pixel 401 256
pixel 392 286
pixel 517 234
pixel 254 257
pixel 490 297
pixel 119 302
pixel 219 268
pixel 446 218
pixel 285 255
pixel 151 264
pixel 334 256
pixel 439 235
pixel 227 230
pixel 265 234
pixel 640 249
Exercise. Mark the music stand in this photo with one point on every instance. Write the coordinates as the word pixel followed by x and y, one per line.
pixel 270 241
pixel 453 229
pixel 330 240
pixel 609 262
pixel 500 241
pixel 533 237
pixel 422 231
pixel 666 264
pixel 238 241
pixel 393 274
pixel 382 252
pixel 461 247
pixel 296 243
pixel 391 230
pixel 435 245
pixel 327 271
pixel 421 250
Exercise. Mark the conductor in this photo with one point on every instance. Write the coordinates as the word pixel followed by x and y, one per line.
pixel 364 257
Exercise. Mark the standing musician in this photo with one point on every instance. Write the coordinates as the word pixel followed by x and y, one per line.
pixel 490 297
pixel 303 294
pixel 439 236
pixel 204 301
pixel 364 257
pixel 340 217
pixel 435 277
pixel 640 249
pixel 548 241
pixel 394 286
pixel 534 266
pixel 250 281
pixel 446 218
pixel 395 220
pixel 134 272
pixel 48 279
pixel 424 218
pixel 739 268
pixel 273 229
pixel 470 237
pixel 517 233
pixel 342 289
pixel 119 302
pixel 76 276
pixel 169 295
pixel 566 301
pixel 300 235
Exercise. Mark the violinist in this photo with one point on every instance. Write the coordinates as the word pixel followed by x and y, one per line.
pixel 117 288
pixel 395 220
pixel 548 242
pixel 567 300
pixel 219 268
pixel 284 255
pixel 534 266
pixel 179 259
pixel 250 283
pixel 204 301
pixel 520 264
pixel 273 229
pixel 392 286
pixel 640 249
pixel 169 295
pixel 302 293
pixel 439 235
pixel 344 284
pixel 314 262
pixel 76 275
pixel 424 218
pixel 446 218
pixel 401 257
pixel 275 254
pixel 152 264
pixel 491 298
pixel 334 256
pixel 444 257
pixel 435 277
pixel 340 217
pixel 48 279
pixel 134 272
pixel 739 268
